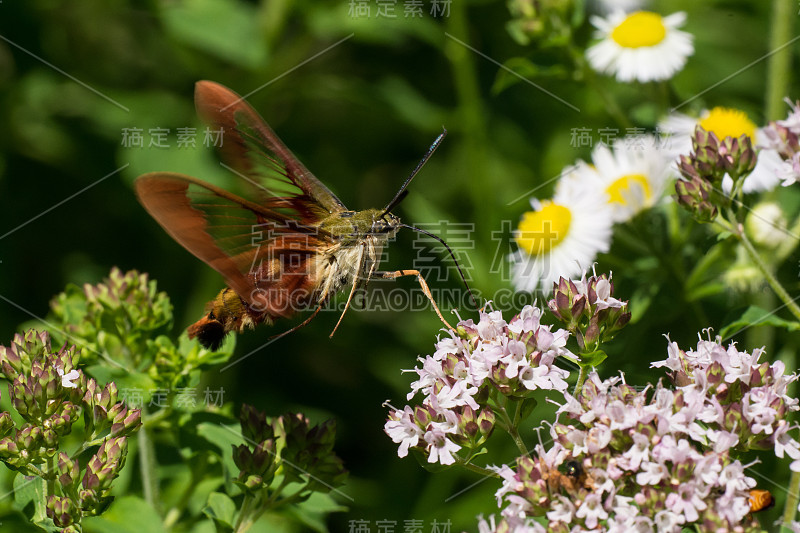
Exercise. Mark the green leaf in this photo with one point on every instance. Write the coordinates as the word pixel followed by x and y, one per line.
pixel 578 13
pixel 202 358
pixel 222 510
pixel 756 316
pixel 528 406
pixel 640 301
pixel 127 381
pixel 228 29
pixel 482 451
pixel 705 270
pixel 128 514
pixel 212 432
pixel 312 512
pixel 30 497
pixel 592 358
pixel 201 491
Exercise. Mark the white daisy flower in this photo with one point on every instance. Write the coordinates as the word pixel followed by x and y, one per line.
pixel 725 122
pixel 642 46
pixel 632 176
pixel 562 236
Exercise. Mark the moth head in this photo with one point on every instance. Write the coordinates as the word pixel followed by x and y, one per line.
pixel 386 223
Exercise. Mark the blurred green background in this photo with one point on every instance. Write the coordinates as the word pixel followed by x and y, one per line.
pixel 75 75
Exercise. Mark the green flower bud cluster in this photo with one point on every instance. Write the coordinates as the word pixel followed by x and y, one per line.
pixel 86 495
pixel 50 394
pixel 290 448
pixel 121 319
pixel 549 22
pixel 103 413
pixel 693 194
pixel 699 189
pixel 123 311
pixel 589 310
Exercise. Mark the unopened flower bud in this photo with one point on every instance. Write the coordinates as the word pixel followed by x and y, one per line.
pixel 486 420
pixel 694 197
pixel 62 510
pixel 6 423
pixel 29 437
pixel 568 303
pixel 8 447
pixel 67 470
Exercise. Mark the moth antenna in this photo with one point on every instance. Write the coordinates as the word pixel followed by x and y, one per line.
pixel 403 192
pixel 450 251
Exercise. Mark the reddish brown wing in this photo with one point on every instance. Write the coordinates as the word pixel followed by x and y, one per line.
pixel 251 147
pixel 218 226
pixel 234 236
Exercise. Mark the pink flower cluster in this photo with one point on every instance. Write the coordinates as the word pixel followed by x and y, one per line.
pixel 735 401
pixel 491 357
pixel 783 136
pixel 632 460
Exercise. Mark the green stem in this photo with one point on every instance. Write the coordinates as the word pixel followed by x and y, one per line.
pixel 767 272
pixel 517 413
pixel 148 466
pixel 33 470
pixel 477 469
pixel 242 521
pixel 590 76
pixel 779 63
pixel 581 378
pixel 95 441
pixel 512 430
pixel 51 477
pixel 157 418
pixel 470 111
pixel 790 509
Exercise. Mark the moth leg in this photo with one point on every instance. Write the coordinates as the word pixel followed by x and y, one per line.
pixel 304 322
pixel 422 283
pixel 361 258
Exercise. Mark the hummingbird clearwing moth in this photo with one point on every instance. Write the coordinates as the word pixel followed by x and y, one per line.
pixel 288 245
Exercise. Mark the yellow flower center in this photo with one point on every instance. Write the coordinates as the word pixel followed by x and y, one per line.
pixel 639 29
pixel 622 188
pixel 727 122
pixel 540 231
